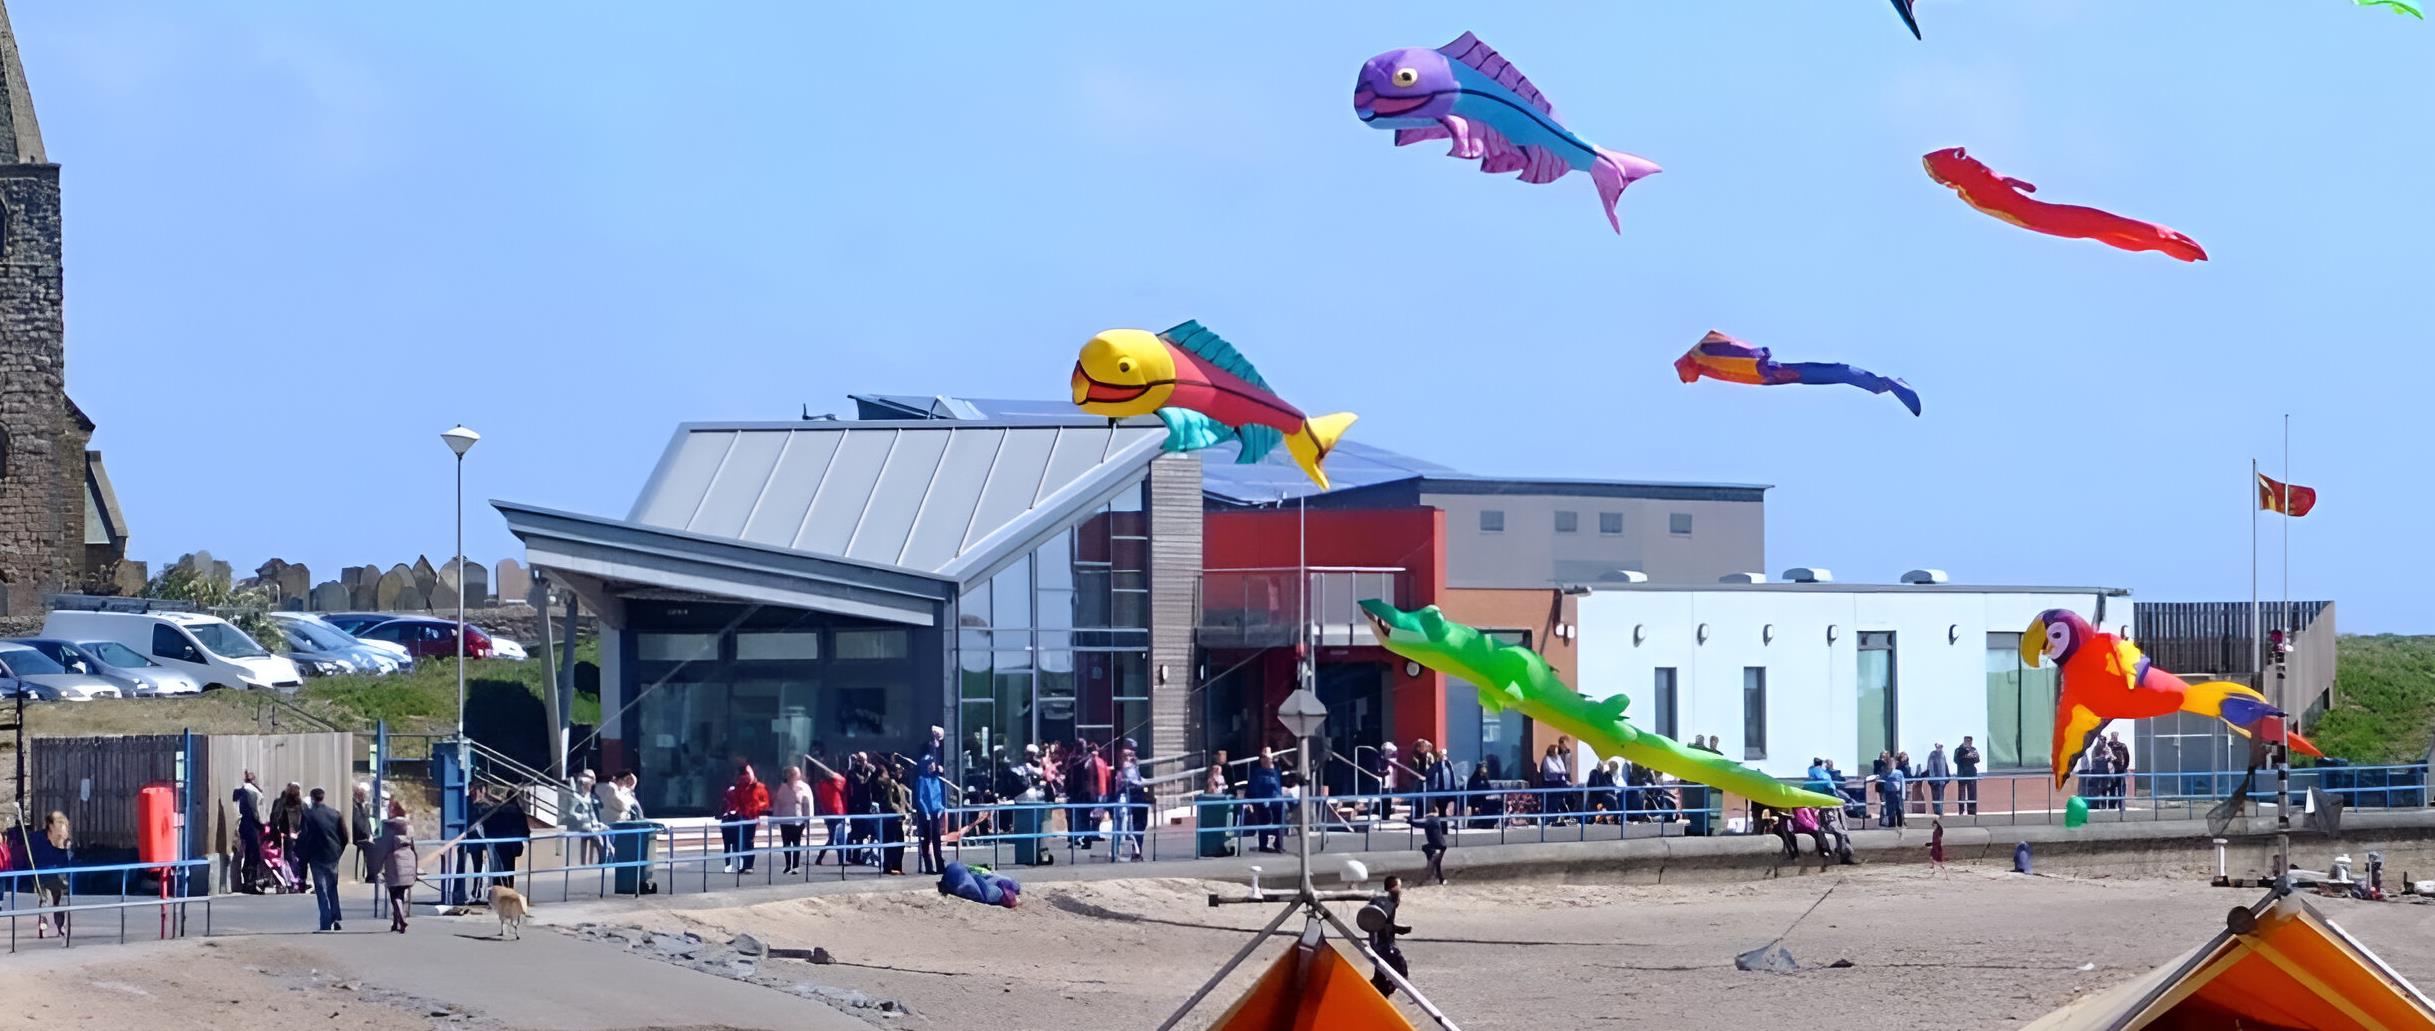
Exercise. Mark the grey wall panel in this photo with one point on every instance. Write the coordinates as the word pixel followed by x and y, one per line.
pixel 676 489
pixel 784 502
pixel 938 531
pixel 1077 450
pixel 737 486
pixel 1013 481
pixel 845 492
pixel 900 495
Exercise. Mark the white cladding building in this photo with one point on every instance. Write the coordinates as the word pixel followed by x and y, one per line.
pixel 1787 671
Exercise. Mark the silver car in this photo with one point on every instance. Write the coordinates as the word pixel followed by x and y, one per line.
pixel 135 675
pixel 26 671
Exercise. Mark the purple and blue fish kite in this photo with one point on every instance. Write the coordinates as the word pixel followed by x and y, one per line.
pixel 1467 93
pixel 1721 357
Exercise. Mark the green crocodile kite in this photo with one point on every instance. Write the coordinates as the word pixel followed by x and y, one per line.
pixel 1516 677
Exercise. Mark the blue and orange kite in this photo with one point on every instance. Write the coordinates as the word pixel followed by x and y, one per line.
pixel 1721 357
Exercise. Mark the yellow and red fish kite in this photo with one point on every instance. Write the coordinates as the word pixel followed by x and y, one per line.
pixel 1205 391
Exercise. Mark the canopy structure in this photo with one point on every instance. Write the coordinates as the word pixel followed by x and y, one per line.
pixel 2277 964
pixel 1312 987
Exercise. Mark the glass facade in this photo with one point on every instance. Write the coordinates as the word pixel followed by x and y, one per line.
pixel 711 685
pixel 2020 707
pixel 1056 647
pixel 1879 703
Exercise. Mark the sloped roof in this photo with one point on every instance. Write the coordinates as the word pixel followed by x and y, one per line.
pixel 20 134
pixel 2279 963
pixel 947 498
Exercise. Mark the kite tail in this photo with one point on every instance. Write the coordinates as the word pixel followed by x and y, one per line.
pixel 1902 392
pixel 1613 170
pixel 1317 437
pixel 2179 245
pixel 2244 709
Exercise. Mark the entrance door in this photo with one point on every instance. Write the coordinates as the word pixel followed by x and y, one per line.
pixel 1880 697
pixel 1356 722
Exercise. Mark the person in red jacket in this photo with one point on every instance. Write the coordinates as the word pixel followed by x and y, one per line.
pixel 747 803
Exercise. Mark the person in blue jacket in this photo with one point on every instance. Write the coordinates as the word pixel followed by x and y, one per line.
pixel 53 849
pixel 930 810
pixel 1265 787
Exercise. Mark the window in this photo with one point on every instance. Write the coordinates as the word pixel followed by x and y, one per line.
pixel 3 454
pixel 168 643
pixel 870 644
pixel 1880 702
pixel 2020 707
pixel 1568 522
pixel 1754 712
pixel 1664 701
pixel 1679 524
pixel 1610 523
pixel 675 647
pixel 774 646
pixel 1492 521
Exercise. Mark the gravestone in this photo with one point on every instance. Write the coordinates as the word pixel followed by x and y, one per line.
pixel 295 583
pixel 398 592
pixel 477 583
pixel 426 578
pixel 332 597
pixel 511 583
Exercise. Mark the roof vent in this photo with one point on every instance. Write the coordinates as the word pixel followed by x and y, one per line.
pixel 1742 578
pixel 1628 576
pixel 1806 575
pixel 1924 576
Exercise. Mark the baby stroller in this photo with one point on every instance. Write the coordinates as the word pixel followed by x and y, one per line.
pixel 274 863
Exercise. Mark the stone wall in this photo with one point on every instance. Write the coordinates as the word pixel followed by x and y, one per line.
pixel 1175 568
pixel 41 446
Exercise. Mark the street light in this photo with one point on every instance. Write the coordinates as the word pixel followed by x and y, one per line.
pixel 460 440
pixel 1303 715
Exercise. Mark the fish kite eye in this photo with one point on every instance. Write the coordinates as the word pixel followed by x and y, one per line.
pixel 1406 77
pixel 1124 365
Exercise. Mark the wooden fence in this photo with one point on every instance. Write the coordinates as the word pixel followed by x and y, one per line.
pixel 95 779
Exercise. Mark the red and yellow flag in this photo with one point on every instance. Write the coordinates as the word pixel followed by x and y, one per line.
pixel 2290 499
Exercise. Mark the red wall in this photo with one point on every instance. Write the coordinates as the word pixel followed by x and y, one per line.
pixel 1413 539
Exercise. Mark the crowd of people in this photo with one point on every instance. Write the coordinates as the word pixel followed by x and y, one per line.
pixel 298 839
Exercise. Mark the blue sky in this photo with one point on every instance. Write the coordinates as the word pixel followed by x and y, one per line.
pixel 305 238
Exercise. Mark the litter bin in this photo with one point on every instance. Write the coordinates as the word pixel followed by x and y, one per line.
pixel 1030 848
pixel 1215 817
pixel 630 842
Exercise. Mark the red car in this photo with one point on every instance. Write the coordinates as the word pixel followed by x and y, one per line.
pixel 429 638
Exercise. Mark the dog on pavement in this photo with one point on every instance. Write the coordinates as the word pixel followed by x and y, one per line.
pixel 510 907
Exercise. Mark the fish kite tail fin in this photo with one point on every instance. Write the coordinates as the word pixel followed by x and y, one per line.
pixel 1613 170
pixel 1318 437
pixel 1902 392
pixel 2179 245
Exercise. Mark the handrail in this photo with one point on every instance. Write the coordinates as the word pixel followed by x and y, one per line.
pixel 1312 569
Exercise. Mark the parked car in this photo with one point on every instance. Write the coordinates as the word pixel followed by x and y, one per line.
pixel 24 670
pixel 310 637
pixel 353 624
pixel 501 647
pixel 135 675
pixel 209 649
pixel 430 638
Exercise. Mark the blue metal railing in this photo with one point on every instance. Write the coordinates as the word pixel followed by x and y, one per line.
pixel 17 885
pixel 705 855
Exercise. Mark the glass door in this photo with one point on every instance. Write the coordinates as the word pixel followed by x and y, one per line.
pixel 1879 699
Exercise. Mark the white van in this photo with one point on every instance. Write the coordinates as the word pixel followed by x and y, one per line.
pixel 210 649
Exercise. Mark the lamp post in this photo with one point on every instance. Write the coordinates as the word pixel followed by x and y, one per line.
pixel 460 440
pixel 1303 715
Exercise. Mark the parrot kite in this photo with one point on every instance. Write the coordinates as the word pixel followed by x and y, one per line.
pixel 2106 678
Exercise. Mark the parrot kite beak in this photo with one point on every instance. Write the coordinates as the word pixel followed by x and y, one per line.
pixel 2033 643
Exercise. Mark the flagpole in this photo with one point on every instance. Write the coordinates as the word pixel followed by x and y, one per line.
pixel 2257 632
pixel 2282 688
pixel 2285 619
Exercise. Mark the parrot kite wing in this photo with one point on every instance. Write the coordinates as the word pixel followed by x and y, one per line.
pixel 1469 94
pixel 1511 676
pixel 1205 392
pixel 2395 6
pixel 2105 678
pixel 1721 357
pixel 2008 199
pixel 1909 19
